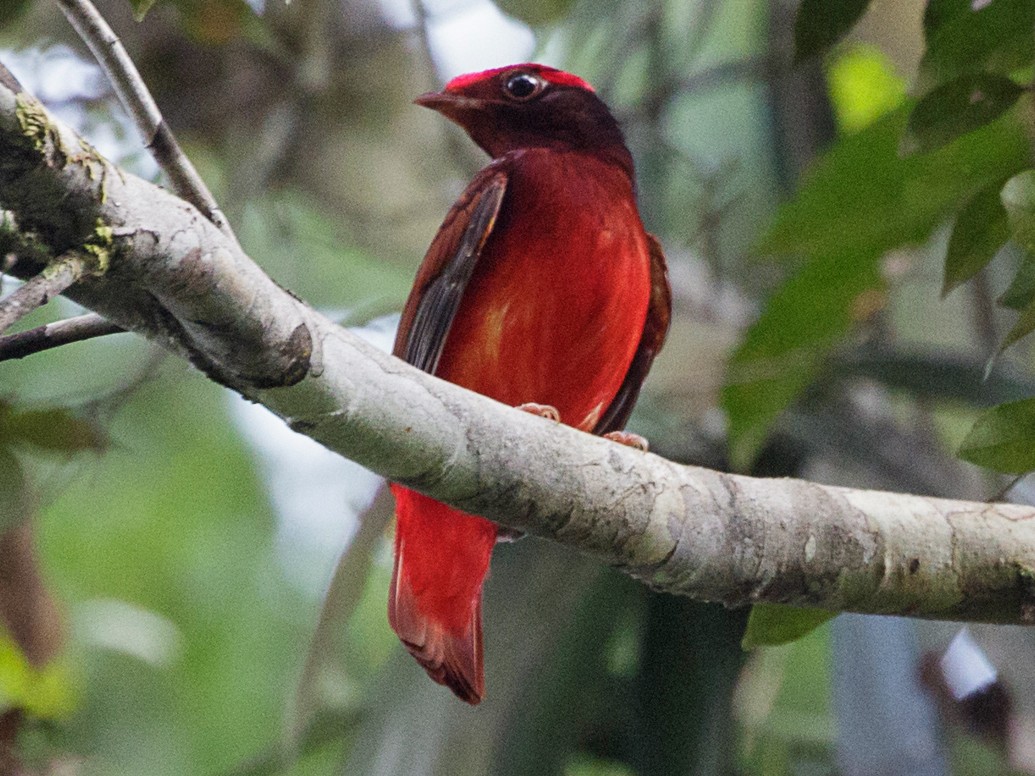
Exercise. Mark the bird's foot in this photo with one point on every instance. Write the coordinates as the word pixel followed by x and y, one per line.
pixel 628 439
pixel 508 535
pixel 542 410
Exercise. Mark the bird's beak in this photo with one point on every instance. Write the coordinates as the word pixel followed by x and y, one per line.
pixel 446 103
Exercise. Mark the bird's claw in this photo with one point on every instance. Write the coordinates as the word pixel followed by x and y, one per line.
pixel 507 535
pixel 628 439
pixel 542 410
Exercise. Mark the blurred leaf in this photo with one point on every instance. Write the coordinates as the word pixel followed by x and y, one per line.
pixel 863 87
pixel 536 12
pixel 1022 327
pixel 47 692
pixel 12 9
pixel 784 709
pixel 1021 291
pixel 957 107
pixel 54 430
pixel 939 12
pixel 781 353
pixel 821 23
pixel 1003 438
pixel 1018 197
pixel 14 491
pixel 140 8
pixel 861 193
pixel 859 201
pixel 996 37
pixel 980 231
pixel 771 625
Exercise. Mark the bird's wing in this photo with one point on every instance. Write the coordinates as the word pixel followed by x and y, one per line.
pixel 655 328
pixel 447 267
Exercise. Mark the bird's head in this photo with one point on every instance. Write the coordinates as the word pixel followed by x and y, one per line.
pixel 527 106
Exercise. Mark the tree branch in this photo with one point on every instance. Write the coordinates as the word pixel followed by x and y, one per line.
pixel 40 289
pixel 54 335
pixel 176 279
pixel 141 107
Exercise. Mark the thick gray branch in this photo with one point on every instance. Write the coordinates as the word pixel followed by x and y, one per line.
pixel 174 278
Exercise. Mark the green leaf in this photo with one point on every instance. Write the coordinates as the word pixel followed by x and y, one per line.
pixel 536 12
pixel 1022 327
pixel 1021 291
pixel 821 23
pixel 45 692
pixel 140 8
pixel 957 107
pixel 980 231
pixel 859 201
pixel 783 350
pixel 771 625
pixel 1003 438
pixel 861 193
pixel 54 430
pixel 940 12
pixel 1018 197
pixel 997 37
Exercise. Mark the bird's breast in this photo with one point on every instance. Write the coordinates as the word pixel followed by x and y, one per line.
pixel 556 306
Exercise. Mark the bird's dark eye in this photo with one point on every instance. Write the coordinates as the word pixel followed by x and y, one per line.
pixel 522 86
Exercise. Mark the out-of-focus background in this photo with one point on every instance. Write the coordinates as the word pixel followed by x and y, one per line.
pixel 185 540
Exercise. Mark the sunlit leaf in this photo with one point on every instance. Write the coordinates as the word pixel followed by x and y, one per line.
pixel 821 23
pixel 980 231
pixel 46 692
pixel 997 37
pixel 140 8
pixel 957 107
pixel 773 624
pixel 1003 438
pixel 863 87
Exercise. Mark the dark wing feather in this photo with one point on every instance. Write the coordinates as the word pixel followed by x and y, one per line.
pixel 655 328
pixel 447 268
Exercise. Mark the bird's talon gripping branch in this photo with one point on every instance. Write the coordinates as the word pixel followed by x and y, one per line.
pixel 542 410
pixel 628 439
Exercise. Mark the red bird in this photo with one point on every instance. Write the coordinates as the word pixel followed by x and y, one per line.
pixel 541 290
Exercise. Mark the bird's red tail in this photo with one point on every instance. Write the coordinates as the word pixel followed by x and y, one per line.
pixel 435 601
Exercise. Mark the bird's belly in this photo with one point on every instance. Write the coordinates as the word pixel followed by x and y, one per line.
pixel 557 328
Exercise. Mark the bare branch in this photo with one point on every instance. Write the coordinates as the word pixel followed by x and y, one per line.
pixel 712 536
pixel 54 335
pixel 42 288
pixel 140 105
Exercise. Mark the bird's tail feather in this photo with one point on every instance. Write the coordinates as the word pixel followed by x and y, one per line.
pixel 434 604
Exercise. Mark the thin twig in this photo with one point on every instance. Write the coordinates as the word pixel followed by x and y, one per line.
pixel 138 102
pixel 40 289
pixel 54 335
